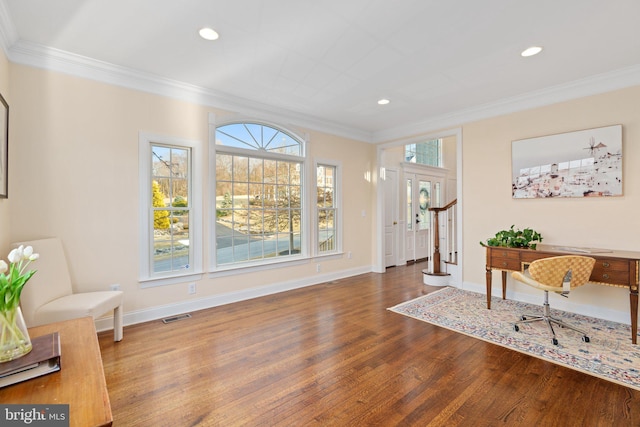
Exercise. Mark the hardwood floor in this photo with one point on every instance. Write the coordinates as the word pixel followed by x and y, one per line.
pixel 333 355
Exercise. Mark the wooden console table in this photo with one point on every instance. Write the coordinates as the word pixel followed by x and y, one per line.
pixel 612 268
pixel 80 381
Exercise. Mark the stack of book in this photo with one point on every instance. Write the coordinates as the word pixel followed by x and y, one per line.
pixel 44 358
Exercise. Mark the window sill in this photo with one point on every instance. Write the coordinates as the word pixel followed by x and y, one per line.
pixel 172 280
pixel 230 270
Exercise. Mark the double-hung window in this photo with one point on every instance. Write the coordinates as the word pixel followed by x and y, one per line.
pixel 259 193
pixel 170 208
pixel 263 210
pixel 327 204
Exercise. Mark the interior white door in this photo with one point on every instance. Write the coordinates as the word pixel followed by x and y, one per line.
pixel 391 208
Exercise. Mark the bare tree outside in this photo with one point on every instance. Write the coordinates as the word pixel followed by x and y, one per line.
pixel 258 197
pixel 170 186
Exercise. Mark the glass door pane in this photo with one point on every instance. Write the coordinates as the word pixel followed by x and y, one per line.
pixel 424 188
pixel 409 204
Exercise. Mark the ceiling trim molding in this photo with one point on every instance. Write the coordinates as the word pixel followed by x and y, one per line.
pixel 39 56
pixel 601 83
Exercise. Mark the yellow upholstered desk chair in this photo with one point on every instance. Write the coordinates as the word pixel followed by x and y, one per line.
pixel 556 274
pixel 48 297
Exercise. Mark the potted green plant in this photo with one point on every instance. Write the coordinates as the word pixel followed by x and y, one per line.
pixel 515 238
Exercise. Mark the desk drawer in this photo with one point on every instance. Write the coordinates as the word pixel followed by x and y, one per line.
pixel 504 253
pixel 503 263
pixel 612 271
pixel 504 259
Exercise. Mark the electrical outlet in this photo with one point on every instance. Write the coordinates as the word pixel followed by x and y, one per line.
pixel 192 288
pixel 349 255
pixel 114 287
pixel 318 268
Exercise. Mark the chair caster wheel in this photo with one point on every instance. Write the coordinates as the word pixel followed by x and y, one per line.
pixel 554 341
pixel 523 317
pixel 516 328
pixel 586 339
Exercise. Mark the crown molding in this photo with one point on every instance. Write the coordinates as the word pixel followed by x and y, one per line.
pixel 593 85
pixel 39 56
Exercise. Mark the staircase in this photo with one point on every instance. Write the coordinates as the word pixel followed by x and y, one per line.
pixel 444 244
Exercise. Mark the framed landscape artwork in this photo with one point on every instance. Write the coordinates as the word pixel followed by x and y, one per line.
pixel 4 147
pixel 586 163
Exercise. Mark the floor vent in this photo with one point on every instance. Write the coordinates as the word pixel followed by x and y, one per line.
pixel 176 318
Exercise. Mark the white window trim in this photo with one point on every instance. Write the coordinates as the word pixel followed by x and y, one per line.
pixel 146 279
pixel 338 206
pixel 423 169
pixel 214 269
pixel 419 139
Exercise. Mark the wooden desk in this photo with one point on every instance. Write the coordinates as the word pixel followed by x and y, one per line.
pixel 80 381
pixel 612 268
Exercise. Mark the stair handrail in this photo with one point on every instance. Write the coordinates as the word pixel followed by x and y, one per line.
pixel 451 215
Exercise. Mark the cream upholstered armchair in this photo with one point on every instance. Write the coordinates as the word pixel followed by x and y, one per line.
pixel 559 274
pixel 48 297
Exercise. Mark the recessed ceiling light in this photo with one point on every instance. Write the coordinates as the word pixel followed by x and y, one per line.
pixel 533 50
pixel 208 33
pixel 383 101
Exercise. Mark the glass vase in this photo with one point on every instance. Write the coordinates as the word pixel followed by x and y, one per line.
pixel 14 337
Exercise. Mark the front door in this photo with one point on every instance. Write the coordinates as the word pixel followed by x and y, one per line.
pixel 423 192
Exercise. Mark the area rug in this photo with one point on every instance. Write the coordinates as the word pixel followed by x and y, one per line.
pixel 609 354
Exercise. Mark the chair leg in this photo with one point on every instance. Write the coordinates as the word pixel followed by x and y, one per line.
pixel 566 325
pixel 530 318
pixel 548 319
pixel 117 323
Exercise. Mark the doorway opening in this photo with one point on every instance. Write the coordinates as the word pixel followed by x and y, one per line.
pixel 408 191
pixel 422 192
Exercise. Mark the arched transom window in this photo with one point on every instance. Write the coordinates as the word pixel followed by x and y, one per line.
pixel 256 136
pixel 259 192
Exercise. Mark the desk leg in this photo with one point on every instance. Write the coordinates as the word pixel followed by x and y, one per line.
pixel 633 302
pixel 488 275
pixel 504 285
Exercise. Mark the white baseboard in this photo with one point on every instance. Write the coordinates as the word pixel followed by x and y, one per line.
pixel 159 312
pixel 560 304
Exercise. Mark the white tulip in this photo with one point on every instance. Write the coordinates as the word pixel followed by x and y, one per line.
pixel 15 255
pixel 3 266
pixel 26 253
pixel 34 257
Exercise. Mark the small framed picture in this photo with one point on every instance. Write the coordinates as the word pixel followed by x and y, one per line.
pixel 4 148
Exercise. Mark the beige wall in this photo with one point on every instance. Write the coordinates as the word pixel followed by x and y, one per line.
pixel 450 162
pixel 593 222
pixel 5 203
pixel 75 175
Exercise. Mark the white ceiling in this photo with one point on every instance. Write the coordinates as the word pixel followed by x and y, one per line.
pixel 329 61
